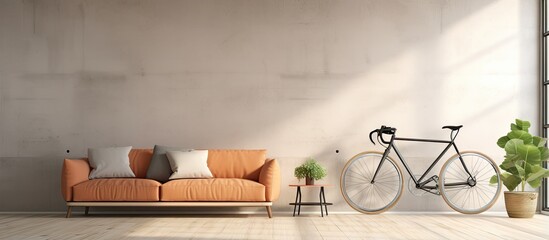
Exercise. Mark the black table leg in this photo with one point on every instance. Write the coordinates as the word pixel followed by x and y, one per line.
pixel 299 207
pixel 320 198
pixel 324 197
pixel 295 202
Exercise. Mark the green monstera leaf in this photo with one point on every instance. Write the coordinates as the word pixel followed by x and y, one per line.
pixel 519 134
pixel 512 170
pixel 512 150
pixel 520 170
pixel 530 154
pixel 512 146
pixel 512 156
pixel 544 153
pixel 520 125
pixel 536 173
pixel 502 141
pixel 510 181
pixel 538 142
pixel 494 179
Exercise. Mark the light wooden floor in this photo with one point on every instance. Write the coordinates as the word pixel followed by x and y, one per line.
pixel 384 226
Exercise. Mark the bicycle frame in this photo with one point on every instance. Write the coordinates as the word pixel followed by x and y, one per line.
pixel 419 182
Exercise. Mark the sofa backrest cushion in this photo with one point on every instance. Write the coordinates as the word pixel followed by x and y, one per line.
pixel 245 164
pixel 139 161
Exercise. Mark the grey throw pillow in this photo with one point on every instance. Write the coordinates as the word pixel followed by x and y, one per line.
pixel 159 168
pixel 112 162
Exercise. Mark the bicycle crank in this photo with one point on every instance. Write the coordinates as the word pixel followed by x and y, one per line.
pixel 418 192
pixel 412 187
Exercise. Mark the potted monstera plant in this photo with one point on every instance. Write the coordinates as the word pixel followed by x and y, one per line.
pixel 524 154
pixel 310 170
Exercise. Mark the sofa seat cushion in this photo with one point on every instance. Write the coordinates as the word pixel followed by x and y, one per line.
pixel 117 189
pixel 214 189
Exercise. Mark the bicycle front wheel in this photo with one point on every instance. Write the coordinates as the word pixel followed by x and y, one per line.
pixel 463 193
pixel 364 195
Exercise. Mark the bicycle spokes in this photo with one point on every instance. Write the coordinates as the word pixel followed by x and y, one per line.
pixel 468 194
pixel 363 194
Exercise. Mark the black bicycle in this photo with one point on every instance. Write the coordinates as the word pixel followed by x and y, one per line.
pixel 372 182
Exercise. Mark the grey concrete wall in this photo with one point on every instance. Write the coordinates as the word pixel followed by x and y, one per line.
pixel 299 78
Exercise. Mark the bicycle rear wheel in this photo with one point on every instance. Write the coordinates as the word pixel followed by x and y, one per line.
pixel 479 195
pixel 363 195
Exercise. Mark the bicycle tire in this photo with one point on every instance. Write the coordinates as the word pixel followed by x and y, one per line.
pixel 483 194
pixel 390 172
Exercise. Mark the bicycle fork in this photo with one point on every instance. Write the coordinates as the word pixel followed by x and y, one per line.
pixel 385 154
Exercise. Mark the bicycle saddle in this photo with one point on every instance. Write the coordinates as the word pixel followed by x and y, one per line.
pixel 453 128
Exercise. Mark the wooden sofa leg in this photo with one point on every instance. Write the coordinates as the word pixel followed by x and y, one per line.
pixel 69 212
pixel 269 211
pixel 86 210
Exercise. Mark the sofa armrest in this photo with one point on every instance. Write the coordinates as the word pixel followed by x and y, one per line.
pixel 74 172
pixel 270 177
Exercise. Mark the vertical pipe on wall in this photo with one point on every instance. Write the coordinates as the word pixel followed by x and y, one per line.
pixel 542 89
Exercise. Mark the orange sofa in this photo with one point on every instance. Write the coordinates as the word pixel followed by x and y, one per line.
pixel 243 178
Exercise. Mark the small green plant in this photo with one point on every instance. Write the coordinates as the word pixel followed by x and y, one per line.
pixel 524 155
pixel 310 169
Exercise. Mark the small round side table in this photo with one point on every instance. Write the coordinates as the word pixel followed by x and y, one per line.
pixel 322 198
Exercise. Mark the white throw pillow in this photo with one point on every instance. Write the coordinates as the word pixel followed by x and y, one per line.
pixel 191 164
pixel 112 162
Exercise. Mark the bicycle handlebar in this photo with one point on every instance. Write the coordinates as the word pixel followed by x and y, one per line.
pixel 382 130
pixel 371 133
